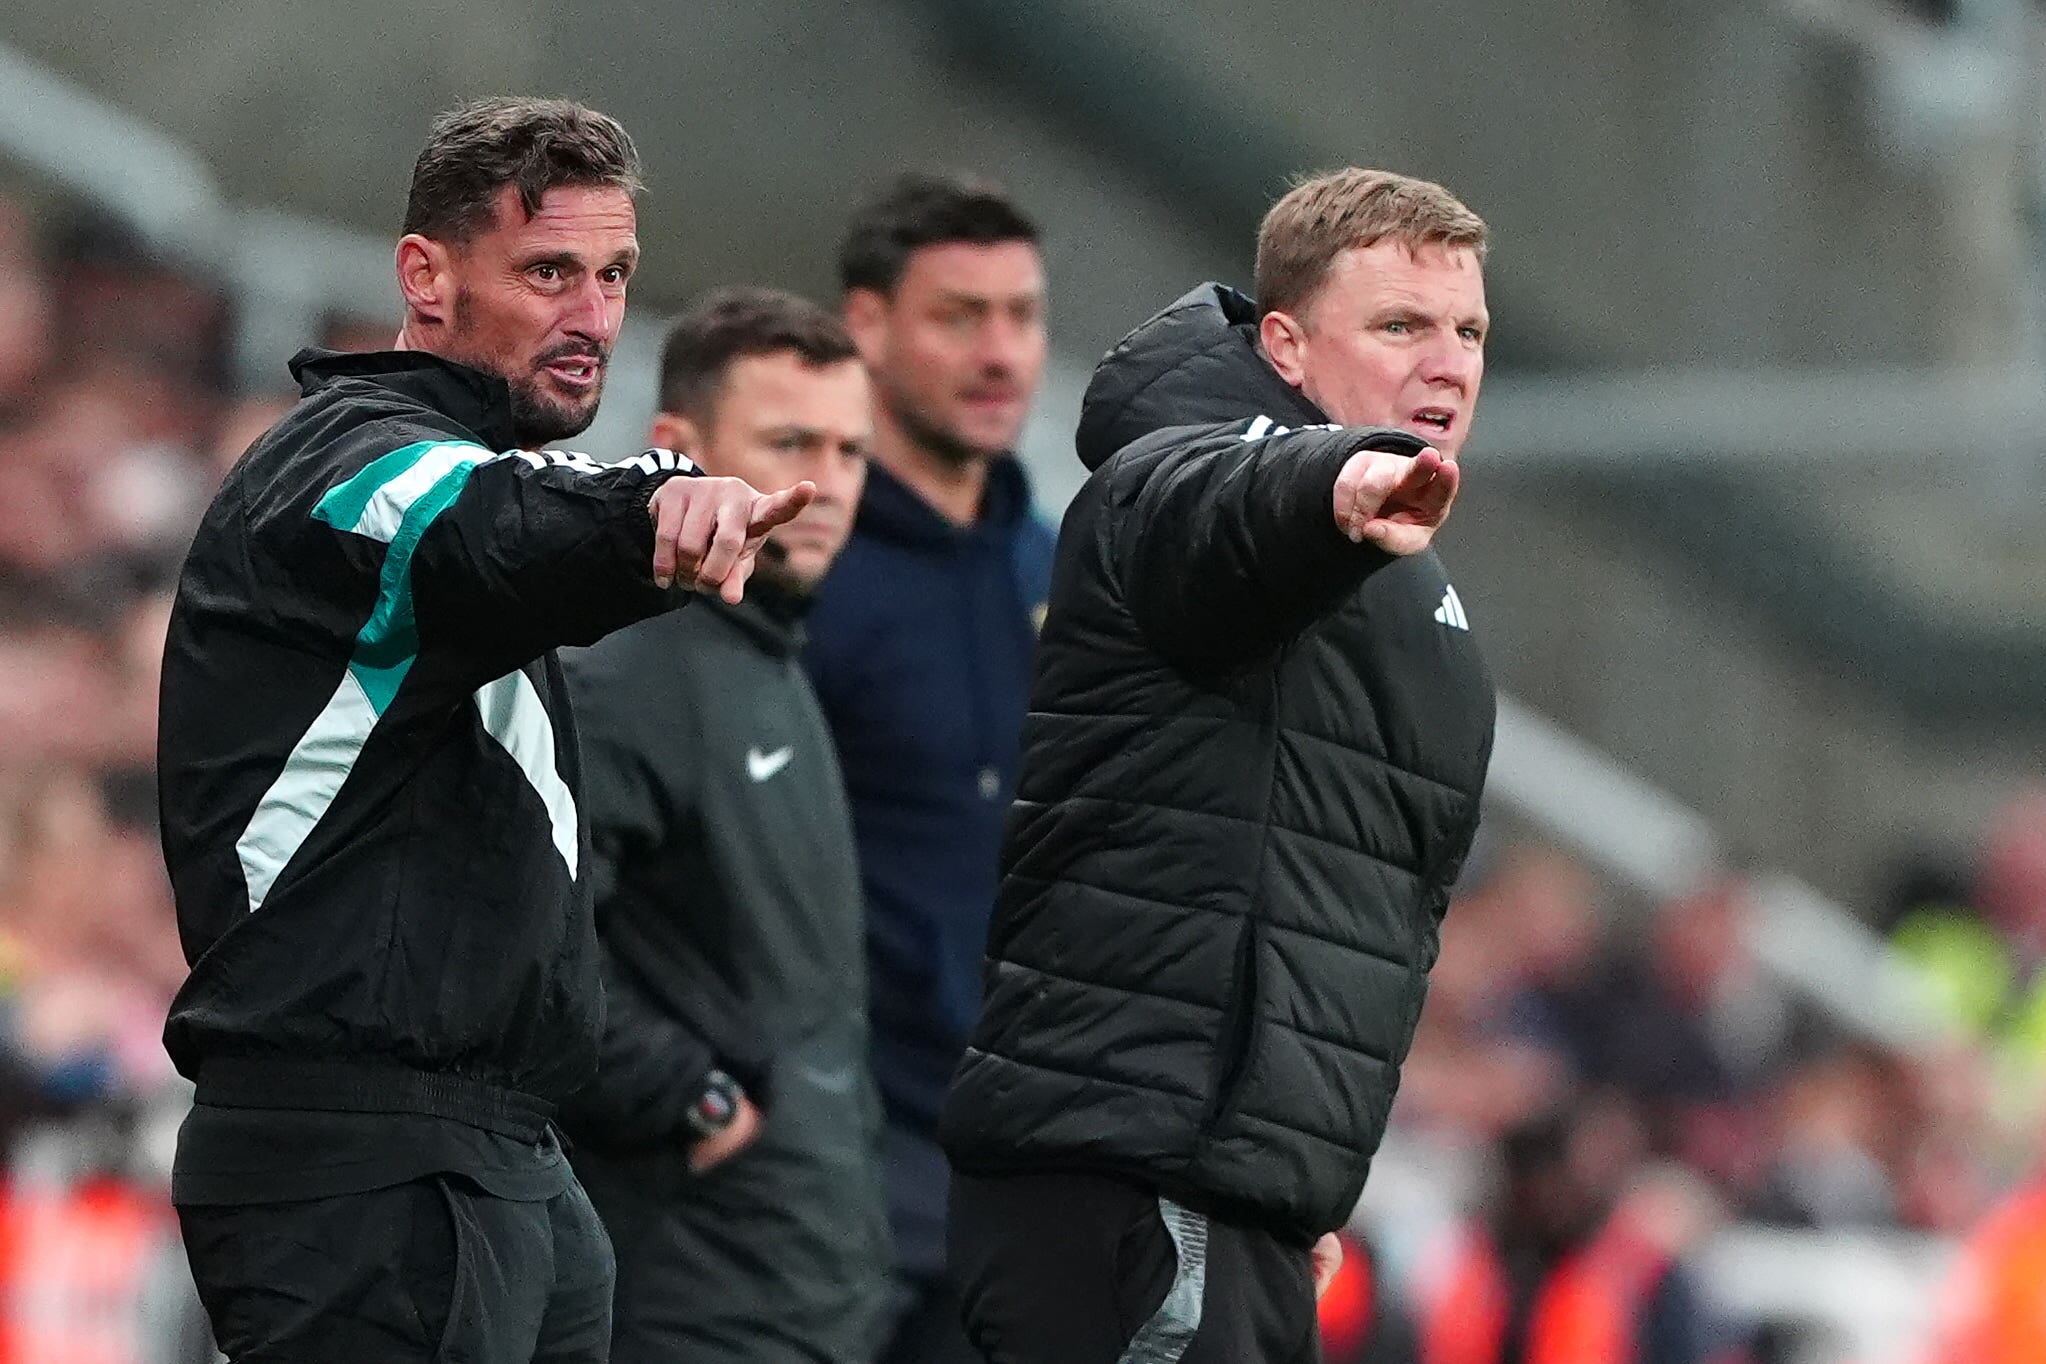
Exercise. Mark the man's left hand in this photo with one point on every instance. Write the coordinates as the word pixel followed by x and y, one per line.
pixel 1394 501
pixel 739 1134
pixel 1328 1258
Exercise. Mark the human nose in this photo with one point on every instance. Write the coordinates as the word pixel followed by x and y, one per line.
pixel 1454 363
pixel 1006 343
pixel 595 312
pixel 838 477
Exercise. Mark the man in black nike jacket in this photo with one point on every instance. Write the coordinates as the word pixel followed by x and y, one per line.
pixel 370 780
pixel 1257 739
pixel 731 1141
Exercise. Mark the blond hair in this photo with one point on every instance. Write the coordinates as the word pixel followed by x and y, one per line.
pixel 1325 215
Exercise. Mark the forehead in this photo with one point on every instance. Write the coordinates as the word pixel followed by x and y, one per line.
pixel 981 269
pixel 1448 279
pixel 783 387
pixel 588 220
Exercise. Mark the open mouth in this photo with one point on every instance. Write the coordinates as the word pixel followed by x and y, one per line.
pixel 1434 421
pixel 576 371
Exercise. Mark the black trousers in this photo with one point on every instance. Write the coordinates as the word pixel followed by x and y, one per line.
pixel 431 1272
pixel 925 1326
pixel 771 1258
pixel 1083 1269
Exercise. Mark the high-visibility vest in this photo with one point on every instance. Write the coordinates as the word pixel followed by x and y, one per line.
pixel 1975 980
pixel 1993 1309
pixel 1587 1311
pixel 75 1264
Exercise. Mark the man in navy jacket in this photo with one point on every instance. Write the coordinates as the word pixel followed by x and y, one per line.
pixel 920 649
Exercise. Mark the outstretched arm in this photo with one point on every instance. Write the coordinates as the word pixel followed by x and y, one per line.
pixel 1227 543
pixel 508 555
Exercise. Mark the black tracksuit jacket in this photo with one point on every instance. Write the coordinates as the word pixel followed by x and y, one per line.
pixel 1251 775
pixel 729 913
pixel 368 769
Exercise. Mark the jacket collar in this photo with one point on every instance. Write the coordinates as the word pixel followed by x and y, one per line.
pixel 771 616
pixel 1195 363
pixel 891 510
pixel 479 401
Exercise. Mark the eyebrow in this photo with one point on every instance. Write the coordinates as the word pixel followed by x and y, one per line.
pixel 1419 313
pixel 947 296
pixel 816 435
pixel 628 256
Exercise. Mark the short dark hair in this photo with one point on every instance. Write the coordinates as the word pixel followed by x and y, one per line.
pixel 534 144
pixel 922 209
pixel 731 324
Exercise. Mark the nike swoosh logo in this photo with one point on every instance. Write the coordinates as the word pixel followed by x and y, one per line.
pixel 760 766
pixel 838 1080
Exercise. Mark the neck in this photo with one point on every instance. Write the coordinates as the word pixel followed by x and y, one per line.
pixel 781 589
pixel 953 487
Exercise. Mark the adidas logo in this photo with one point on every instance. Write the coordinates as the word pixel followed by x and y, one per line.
pixel 1450 613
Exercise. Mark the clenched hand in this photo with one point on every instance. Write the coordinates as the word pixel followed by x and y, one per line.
pixel 708 531
pixel 739 1134
pixel 1396 502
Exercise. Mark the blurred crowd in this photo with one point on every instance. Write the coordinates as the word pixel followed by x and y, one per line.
pixel 1588 1072
pixel 115 421
pixel 1591 1079
pixel 112 408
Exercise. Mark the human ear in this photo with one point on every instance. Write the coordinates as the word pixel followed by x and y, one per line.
pixel 866 317
pixel 424 277
pixel 673 431
pixel 1284 342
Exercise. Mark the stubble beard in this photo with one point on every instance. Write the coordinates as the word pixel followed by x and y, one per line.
pixel 931 436
pixel 538 418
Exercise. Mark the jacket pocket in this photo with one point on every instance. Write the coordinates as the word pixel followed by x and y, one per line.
pixel 1238 1032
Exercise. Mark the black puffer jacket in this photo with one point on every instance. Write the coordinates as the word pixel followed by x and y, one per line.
pixel 1251 775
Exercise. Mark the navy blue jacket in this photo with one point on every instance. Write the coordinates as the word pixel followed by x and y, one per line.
pixel 920 649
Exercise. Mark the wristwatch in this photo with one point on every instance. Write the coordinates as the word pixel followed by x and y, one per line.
pixel 714 1110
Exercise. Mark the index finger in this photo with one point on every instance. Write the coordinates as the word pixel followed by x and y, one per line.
pixel 1423 469
pixel 775 509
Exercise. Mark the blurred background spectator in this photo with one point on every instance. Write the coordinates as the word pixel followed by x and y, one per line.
pixel 1753 537
pixel 111 386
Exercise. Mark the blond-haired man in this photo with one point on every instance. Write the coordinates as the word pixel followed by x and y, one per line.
pixel 1258 737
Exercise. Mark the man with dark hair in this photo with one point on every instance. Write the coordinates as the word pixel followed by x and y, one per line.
pixel 1258 736
pixel 920 649
pixel 369 780
pixel 730 1140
